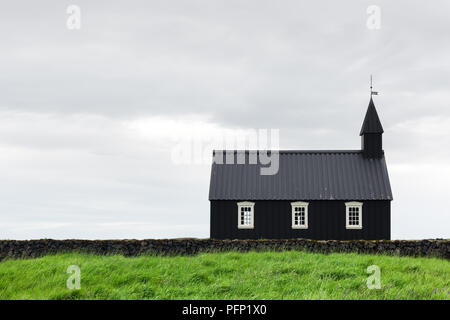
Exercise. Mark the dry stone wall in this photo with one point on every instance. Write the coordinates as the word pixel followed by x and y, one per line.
pixel 38 248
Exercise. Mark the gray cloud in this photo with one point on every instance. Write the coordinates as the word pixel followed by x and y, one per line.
pixel 74 164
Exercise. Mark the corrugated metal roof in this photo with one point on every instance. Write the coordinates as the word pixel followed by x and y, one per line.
pixel 304 175
pixel 372 123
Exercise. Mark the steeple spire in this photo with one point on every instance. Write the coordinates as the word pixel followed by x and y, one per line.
pixel 372 123
pixel 372 93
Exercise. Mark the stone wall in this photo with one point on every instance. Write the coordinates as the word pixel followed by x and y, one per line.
pixel 37 248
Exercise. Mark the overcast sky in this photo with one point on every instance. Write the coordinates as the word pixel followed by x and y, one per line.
pixel 89 118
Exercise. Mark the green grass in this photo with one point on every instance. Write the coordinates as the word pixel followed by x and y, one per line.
pixel 231 275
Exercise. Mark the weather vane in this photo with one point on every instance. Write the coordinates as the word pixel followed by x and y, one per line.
pixel 372 93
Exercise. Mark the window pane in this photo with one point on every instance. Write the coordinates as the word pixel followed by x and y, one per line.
pixel 246 216
pixel 353 216
pixel 299 216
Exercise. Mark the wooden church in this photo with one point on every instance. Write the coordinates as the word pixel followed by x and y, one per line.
pixel 320 194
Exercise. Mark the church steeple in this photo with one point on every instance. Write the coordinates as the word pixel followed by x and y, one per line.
pixel 372 123
pixel 371 133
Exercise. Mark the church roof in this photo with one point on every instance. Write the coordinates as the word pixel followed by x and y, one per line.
pixel 303 175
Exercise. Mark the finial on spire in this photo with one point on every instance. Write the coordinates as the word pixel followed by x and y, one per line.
pixel 372 93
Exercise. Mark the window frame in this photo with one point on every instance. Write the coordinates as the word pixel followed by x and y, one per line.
pixel 353 204
pixel 252 214
pixel 300 204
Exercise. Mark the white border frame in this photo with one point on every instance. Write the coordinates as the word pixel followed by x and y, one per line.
pixel 252 214
pixel 303 205
pixel 353 204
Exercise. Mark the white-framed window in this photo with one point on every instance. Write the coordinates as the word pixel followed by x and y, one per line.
pixel 299 215
pixel 353 215
pixel 245 215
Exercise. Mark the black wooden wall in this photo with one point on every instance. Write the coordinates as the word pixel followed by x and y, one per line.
pixel 326 221
pixel 372 145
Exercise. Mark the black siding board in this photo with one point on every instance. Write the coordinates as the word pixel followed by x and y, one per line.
pixel 372 145
pixel 326 221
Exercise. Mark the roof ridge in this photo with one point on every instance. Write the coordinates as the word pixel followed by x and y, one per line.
pixel 292 151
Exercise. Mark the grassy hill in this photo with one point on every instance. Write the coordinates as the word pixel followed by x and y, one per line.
pixel 231 275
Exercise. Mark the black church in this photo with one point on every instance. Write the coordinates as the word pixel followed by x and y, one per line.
pixel 316 194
